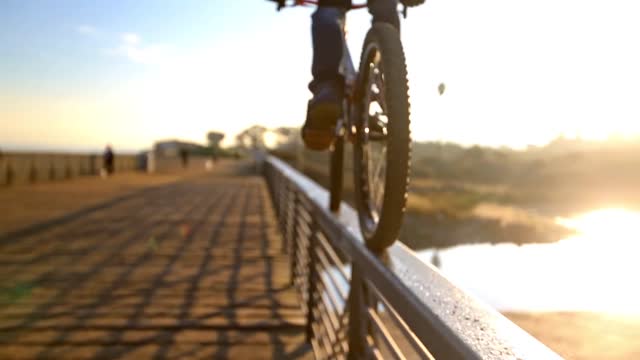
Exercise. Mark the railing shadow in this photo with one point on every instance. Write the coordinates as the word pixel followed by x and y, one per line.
pixel 179 272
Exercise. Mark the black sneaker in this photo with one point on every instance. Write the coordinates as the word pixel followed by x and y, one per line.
pixel 323 111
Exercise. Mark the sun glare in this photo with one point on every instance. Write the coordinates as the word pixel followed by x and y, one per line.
pixel 593 270
pixel 603 257
pixel 606 226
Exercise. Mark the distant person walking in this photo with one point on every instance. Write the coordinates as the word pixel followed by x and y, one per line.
pixel 184 155
pixel 108 160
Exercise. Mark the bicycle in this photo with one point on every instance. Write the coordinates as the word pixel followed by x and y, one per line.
pixel 375 119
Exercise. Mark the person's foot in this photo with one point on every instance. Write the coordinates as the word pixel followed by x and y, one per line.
pixel 323 111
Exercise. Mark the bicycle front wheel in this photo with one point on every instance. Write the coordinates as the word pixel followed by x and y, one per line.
pixel 383 143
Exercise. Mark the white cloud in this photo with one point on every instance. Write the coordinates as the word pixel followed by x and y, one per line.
pixel 86 29
pixel 131 38
pixel 135 50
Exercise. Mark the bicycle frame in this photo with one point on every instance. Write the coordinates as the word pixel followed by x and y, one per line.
pixel 350 74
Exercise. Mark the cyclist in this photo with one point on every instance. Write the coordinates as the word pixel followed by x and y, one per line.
pixel 327 86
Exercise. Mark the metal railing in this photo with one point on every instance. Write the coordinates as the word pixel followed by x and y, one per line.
pixel 28 168
pixel 395 306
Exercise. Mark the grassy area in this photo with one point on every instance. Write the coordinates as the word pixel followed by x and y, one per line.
pixel 461 195
pixel 444 212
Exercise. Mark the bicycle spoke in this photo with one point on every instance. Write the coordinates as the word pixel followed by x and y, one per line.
pixel 378 137
pixel 374 194
pixel 380 178
pixel 378 127
pixel 379 94
pixel 376 172
pixel 370 174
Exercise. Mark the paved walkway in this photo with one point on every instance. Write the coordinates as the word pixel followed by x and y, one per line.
pixel 25 204
pixel 186 270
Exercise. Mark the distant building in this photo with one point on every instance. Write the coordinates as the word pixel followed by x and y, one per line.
pixel 173 148
pixel 169 155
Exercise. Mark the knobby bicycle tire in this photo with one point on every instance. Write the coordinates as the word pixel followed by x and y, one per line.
pixel 382 230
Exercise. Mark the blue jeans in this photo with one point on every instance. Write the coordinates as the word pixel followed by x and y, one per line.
pixel 327 31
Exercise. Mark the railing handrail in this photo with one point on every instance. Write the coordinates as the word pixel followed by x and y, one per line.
pixel 447 321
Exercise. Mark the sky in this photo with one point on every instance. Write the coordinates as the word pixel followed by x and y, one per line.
pixel 75 75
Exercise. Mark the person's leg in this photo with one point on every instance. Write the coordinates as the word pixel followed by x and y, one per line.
pixel 327 86
pixel 385 11
pixel 327 32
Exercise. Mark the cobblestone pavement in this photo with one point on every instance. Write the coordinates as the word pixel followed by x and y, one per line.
pixel 192 269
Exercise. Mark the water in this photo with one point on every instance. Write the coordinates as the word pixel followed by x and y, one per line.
pixel 596 270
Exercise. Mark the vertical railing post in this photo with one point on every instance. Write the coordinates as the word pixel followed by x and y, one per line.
pixel 357 332
pixel 267 175
pixel 10 175
pixel 275 186
pixel 290 210
pixel 312 279
pixel 292 232
pixel 283 204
